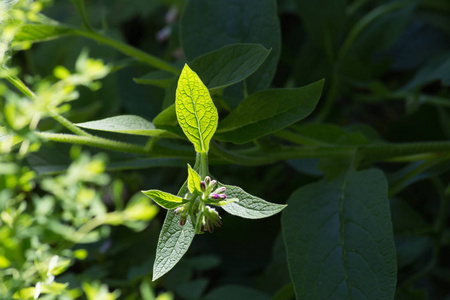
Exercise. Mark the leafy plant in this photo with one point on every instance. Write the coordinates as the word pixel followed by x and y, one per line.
pixel 333 108
pixel 190 212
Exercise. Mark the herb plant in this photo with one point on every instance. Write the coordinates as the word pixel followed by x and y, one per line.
pixel 335 111
pixel 191 211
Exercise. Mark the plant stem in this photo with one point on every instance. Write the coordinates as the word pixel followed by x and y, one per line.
pixel 203 165
pixel 128 50
pixel 93 141
pixel 69 125
pixel 370 153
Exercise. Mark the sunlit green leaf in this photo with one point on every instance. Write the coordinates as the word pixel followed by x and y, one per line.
pixel 164 199
pixel 193 180
pixel 128 124
pixel 195 110
pixel 249 206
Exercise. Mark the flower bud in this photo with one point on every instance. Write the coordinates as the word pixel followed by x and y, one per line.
pixel 178 210
pixel 213 183
pixel 202 185
pixel 207 180
pixel 220 190
pixel 214 196
pixel 183 219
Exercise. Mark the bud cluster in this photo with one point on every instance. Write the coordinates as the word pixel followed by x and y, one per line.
pixel 207 187
pixel 205 216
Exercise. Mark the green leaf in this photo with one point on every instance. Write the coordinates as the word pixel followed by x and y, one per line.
pixel 158 78
pixel 339 239
pixel 209 25
pixel 437 68
pixel 168 117
pixel 174 241
pixel 127 124
pixel 268 111
pixel 193 180
pixel 195 110
pixel 249 206
pixel 32 33
pixel 164 199
pixel 236 292
pixel 229 64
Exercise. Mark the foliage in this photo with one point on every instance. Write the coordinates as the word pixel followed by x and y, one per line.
pixel 339 109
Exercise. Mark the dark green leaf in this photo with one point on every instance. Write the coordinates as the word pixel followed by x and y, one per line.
pixel 209 25
pixel 229 64
pixel 339 239
pixel 193 289
pixel 236 292
pixel 268 111
pixel 436 69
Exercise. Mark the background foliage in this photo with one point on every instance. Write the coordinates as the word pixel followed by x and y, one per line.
pixel 366 175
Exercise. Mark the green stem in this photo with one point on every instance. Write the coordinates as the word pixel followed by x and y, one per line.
pixel 370 153
pixel 298 138
pixel 14 80
pixel 203 165
pixel 128 50
pixel 69 125
pixel 93 141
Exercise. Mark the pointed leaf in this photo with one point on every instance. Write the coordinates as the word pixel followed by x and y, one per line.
pixel 339 239
pixel 193 180
pixel 174 241
pixel 195 110
pixel 127 124
pixel 209 25
pixel 164 199
pixel 268 111
pixel 249 206
pixel 229 65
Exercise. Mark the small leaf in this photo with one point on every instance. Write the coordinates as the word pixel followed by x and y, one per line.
pixel 174 241
pixel 339 240
pixel 195 110
pixel 193 180
pixel 127 124
pixel 268 111
pixel 249 206
pixel 164 199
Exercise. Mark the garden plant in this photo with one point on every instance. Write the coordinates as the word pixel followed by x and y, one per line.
pixel 199 149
